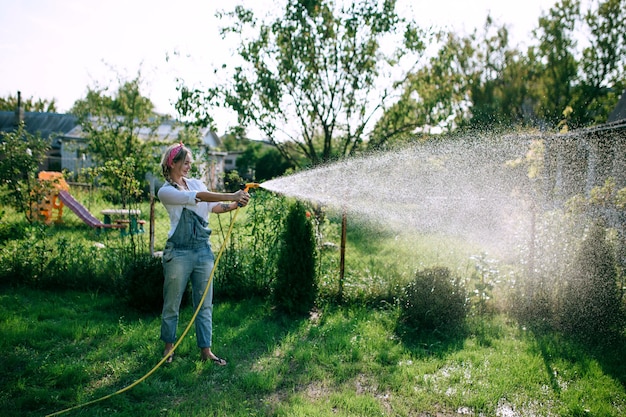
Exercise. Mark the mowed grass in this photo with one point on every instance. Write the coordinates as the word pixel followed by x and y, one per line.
pixel 63 349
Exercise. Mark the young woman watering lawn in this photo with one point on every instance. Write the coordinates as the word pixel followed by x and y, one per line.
pixel 187 253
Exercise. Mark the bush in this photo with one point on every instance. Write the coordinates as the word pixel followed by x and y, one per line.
pixel 248 265
pixel 24 262
pixel 41 261
pixel 591 304
pixel 295 289
pixel 532 303
pixel 76 264
pixel 143 284
pixel 434 300
pixel 11 230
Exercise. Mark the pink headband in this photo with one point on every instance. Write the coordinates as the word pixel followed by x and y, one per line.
pixel 173 153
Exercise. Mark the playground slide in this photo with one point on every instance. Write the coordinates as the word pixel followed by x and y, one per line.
pixel 84 214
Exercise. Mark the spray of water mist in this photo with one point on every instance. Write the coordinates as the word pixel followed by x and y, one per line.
pixel 462 187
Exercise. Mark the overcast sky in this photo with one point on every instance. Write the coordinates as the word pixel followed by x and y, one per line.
pixel 57 48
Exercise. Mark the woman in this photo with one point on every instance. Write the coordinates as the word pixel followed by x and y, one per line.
pixel 187 253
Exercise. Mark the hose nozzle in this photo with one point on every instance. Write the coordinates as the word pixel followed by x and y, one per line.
pixel 246 187
pixel 249 185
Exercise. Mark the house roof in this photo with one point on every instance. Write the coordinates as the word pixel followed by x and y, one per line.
pixel 44 124
pixel 66 125
pixel 619 112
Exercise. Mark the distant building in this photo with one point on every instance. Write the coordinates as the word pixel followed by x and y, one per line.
pixel 68 145
pixel 619 112
pixel 49 126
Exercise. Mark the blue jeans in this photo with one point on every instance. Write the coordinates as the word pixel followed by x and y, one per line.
pixel 180 265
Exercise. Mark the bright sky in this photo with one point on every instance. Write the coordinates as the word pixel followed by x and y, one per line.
pixel 57 48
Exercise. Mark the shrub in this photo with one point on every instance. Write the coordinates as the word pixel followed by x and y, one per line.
pixel 591 304
pixel 434 300
pixel 10 230
pixel 248 265
pixel 76 264
pixel 18 173
pixel 142 285
pixel 295 289
pixel 56 262
pixel 533 304
pixel 23 262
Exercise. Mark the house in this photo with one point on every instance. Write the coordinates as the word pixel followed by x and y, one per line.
pixel 49 126
pixel 68 145
pixel 619 112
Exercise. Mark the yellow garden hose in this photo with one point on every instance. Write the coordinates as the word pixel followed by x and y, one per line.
pixel 182 336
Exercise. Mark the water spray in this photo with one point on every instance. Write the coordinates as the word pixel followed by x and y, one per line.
pixel 463 188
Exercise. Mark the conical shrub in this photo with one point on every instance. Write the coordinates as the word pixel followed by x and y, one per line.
pixel 295 288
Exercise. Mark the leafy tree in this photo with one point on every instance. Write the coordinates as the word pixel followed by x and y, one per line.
pixel 498 82
pixel 233 142
pixel 476 81
pixel 21 154
pixel 121 177
pixel 556 54
pixel 246 161
pixel 310 81
pixel 434 95
pixel 603 64
pixel 271 164
pixel 112 124
pixel 480 81
pixel 264 161
pixel 30 104
pixel 578 89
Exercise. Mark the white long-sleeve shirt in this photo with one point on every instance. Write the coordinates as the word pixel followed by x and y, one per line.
pixel 175 200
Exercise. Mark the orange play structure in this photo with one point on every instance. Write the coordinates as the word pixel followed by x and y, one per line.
pixel 47 206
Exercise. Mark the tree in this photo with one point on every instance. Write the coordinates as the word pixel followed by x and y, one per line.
pixel 21 154
pixel 263 161
pixel 603 64
pixel 498 84
pixel 432 96
pixel 556 54
pixel 474 81
pixel 310 81
pixel 270 164
pixel 30 104
pixel 246 161
pixel 121 177
pixel 112 124
pixel 481 82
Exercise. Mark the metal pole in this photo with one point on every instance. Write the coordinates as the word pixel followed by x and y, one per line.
pixel 152 217
pixel 342 259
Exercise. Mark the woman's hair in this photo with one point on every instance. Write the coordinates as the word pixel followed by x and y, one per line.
pixel 173 154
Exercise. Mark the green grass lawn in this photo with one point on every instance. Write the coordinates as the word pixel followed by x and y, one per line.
pixel 64 349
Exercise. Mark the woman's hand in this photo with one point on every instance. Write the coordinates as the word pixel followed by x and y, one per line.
pixel 241 197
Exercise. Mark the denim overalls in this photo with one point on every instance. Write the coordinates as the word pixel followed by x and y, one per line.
pixel 188 254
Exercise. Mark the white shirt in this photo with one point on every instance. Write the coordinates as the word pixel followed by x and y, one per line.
pixel 175 200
